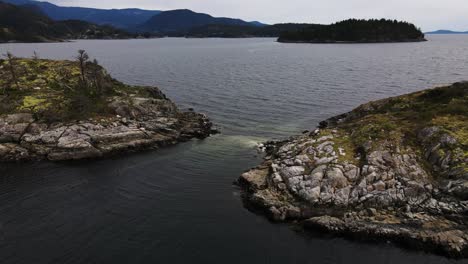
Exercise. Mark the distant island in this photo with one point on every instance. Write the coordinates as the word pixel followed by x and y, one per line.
pixel 28 24
pixel 444 31
pixel 69 110
pixel 356 31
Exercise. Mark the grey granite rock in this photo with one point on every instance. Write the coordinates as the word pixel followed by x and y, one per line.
pixel 405 200
pixel 140 124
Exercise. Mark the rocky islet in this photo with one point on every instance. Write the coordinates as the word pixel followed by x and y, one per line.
pixel 37 122
pixel 394 169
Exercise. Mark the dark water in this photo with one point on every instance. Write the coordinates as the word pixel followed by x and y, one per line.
pixel 177 205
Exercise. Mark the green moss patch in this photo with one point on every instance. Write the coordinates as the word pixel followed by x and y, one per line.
pixel 396 122
pixel 59 89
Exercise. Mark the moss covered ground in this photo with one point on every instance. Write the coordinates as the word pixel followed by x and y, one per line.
pixel 57 89
pixel 395 122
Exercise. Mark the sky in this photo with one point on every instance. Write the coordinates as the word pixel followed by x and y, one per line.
pixel 426 14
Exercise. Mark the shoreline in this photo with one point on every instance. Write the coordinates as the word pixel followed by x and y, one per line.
pixel 351 42
pixel 28 140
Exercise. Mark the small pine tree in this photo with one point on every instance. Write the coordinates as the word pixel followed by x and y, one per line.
pixel 82 60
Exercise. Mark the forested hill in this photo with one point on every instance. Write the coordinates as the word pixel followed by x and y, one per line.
pixel 183 20
pixel 356 30
pixel 27 24
pixel 119 18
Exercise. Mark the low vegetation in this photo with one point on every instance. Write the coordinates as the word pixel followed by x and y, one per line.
pixel 57 90
pixel 396 122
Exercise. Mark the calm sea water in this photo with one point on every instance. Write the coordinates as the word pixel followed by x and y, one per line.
pixel 178 205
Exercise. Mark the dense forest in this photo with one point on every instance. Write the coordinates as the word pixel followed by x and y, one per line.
pixel 28 24
pixel 356 30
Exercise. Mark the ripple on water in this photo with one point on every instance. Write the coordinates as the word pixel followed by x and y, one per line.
pixel 178 204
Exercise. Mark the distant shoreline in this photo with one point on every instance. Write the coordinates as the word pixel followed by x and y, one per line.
pixel 250 37
pixel 350 42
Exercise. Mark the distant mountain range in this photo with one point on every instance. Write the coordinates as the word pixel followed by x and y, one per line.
pixel 183 20
pixel 28 24
pixel 121 18
pixel 42 21
pixel 444 31
pixel 133 19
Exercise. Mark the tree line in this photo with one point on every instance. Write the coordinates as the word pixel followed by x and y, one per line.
pixel 356 30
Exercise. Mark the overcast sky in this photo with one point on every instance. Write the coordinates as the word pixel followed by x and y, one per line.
pixel 427 14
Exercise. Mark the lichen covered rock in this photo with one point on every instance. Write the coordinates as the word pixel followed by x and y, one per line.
pixel 394 169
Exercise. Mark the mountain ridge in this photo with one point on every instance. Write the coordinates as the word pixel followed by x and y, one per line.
pixel 121 18
pixel 182 20
pixel 446 31
pixel 26 24
pixel 130 19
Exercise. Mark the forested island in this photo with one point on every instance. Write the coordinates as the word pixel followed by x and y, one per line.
pixel 356 31
pixel 29 24
pixel 390 170
pixel 69 110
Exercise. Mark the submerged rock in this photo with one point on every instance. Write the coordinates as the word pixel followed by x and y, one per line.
pixel 395 169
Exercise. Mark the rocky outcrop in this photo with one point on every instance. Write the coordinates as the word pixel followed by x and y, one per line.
pixel 64 110
pixel 145 123
pixel 361 176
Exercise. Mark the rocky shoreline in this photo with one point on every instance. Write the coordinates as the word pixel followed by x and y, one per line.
pixel 390 170
pixel 52 110
pixel 23 138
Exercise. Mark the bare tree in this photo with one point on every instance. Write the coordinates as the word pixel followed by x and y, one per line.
pixel 35 56
pixel 82 59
